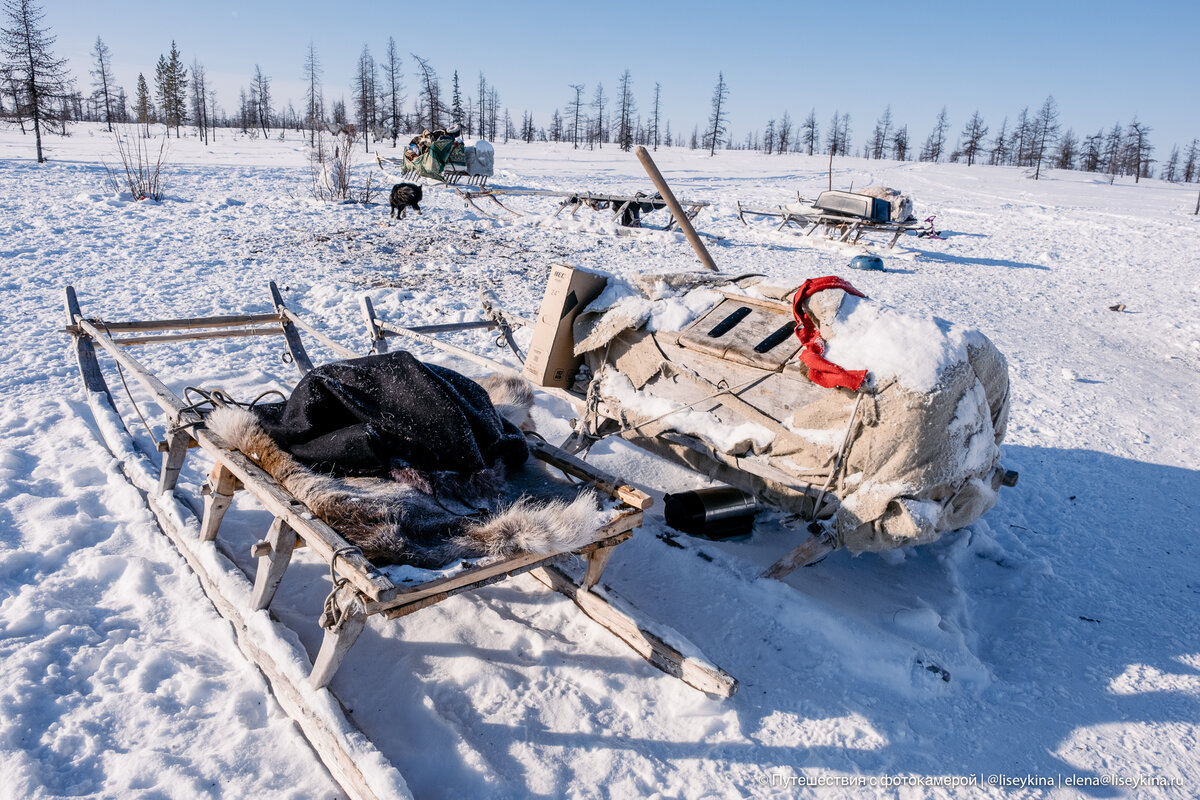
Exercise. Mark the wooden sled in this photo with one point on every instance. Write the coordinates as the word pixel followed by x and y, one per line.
pixel 626 209
pixel 452 171
pixel 358 588
pixel 841 227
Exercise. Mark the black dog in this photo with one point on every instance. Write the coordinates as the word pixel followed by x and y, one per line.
pixel 403 196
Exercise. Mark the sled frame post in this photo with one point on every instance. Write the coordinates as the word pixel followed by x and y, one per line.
pixel 219 491
pixel 597 561
pixel 174 452
pixel 378 340
pixel 295 347
pixel 339 637
pixel 279 544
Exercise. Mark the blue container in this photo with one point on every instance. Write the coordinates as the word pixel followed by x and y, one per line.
pixel 867 261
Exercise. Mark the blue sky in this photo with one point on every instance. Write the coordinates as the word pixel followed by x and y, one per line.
pixel 1104 62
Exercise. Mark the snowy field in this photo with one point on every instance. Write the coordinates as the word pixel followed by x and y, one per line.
pixel 1055 641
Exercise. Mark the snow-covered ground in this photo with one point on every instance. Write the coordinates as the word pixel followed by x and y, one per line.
pixel 1055 641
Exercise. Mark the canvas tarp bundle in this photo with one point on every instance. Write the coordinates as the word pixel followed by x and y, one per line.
pixel 432 161
pixel 480 159
pixel 913 454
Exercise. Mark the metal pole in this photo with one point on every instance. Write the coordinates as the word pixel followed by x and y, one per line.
pixel 685 224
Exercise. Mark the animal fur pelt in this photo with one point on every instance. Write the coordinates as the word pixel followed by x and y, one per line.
pixel 392 415
pixel 404 519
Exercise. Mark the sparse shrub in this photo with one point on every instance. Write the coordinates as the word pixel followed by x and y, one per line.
pixel 141 168
pixel 331 163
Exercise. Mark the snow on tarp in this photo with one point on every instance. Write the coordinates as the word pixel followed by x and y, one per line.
pixel 923 447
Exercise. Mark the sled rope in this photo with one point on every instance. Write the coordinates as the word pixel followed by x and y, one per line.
pixel 721 390
pixel 128 393
pixel 333 615
pixel 840 461
pixel 215 398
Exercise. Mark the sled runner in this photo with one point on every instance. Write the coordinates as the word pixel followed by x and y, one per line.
pixel 359 587
pixel 844 216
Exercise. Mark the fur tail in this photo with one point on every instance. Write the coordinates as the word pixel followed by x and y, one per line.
pixel 530 526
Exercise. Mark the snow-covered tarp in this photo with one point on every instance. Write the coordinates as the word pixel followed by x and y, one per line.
pixel 914 454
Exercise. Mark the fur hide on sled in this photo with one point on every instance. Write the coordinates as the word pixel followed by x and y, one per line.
pixel 459 489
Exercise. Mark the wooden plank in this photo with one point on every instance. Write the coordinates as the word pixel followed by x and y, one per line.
pixel 447 327
pixel 339 638
pixel 691 670
pixel 597 562
pixel 399 612
pixel 776 306
pixel 810 550
pixel 172 460
pixel 467 355
pixel 337 347
pixel 232 333
pixel 612 534
pixel 378 340
pixel 220 488
pixel 190 323
pixel 568 463
pixel 85 351
pixel 294 345
pixel 684 221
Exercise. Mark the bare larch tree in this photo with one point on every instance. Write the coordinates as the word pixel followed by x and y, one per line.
pixel 717 126
pixel 102 79
pixel 40 80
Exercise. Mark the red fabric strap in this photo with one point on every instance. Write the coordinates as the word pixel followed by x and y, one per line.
pixel 821 371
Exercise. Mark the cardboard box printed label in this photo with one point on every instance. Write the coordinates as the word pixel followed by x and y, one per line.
pixel 552 360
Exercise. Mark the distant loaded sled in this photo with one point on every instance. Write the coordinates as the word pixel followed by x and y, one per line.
pixel 846 216
pixel 440 156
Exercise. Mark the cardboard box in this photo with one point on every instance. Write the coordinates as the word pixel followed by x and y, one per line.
pixel 552 360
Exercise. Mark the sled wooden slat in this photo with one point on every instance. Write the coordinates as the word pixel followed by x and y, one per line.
pixel 302 324
pixel 690 669
pixel 610 535
pixel 224 321
pixel 581 469
pixel 294 345
pixel 474 358
pixel 232 333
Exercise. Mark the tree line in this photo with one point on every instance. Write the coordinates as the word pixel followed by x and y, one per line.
pixel 38 94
